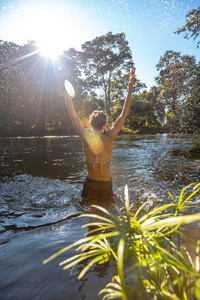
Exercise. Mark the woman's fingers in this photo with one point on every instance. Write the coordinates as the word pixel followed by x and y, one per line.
pixel 132 74
pixel 133 71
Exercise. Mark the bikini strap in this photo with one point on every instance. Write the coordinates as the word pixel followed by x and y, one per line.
pixel 97 161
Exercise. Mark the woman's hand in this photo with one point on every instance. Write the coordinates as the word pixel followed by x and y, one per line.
pixel 132 76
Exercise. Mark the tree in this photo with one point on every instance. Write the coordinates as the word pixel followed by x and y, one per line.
pixel 192 26
pixel 102 58
pixel 145 111
pixel 191 111
pixel 16 98
pixel 47 77
pixel 178 89
pixel 73 64
pixel 119 86
pixel 31 89
pixel 175 83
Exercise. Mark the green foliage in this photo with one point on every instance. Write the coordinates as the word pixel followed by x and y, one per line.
pixel 103 58
pixel 149 265
pixel 15 89
pixel 196 143
pixel 144 111
pixel 192 26
pixel 31 87
pixel 126 130
pixel 191 149
pixel 184 197
pixel 176 74
pixel 178 90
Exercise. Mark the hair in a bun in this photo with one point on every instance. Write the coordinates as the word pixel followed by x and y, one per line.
pixel 98 119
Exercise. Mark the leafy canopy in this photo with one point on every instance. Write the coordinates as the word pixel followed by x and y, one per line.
pixel 192 26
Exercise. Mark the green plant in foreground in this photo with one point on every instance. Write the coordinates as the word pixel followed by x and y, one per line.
pixel 149 265
pixel 184 197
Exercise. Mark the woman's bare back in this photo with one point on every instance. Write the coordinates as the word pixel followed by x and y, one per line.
pixel 98 151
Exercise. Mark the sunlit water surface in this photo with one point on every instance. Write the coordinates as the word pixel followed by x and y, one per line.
pixel 41 182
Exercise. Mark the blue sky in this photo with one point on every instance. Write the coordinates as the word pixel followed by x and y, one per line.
pixel 149 26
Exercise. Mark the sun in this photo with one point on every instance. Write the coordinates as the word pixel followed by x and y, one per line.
pixel 50 38
pixel 48 25
pixel 50 49
pixel 55 26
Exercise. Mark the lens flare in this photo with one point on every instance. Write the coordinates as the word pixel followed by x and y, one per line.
pixel 69 88
pixel 95 143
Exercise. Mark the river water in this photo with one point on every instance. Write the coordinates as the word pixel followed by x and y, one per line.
pixel 40 186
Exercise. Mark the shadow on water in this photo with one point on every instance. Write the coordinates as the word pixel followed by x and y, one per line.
pixel 41 181
pixel 48 157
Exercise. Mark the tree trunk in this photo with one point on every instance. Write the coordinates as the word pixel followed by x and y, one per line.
pixel 108 97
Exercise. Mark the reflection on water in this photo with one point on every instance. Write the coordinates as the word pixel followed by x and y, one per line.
pixel 41 181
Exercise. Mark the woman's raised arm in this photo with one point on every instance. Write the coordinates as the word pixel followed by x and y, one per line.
pixel 75 118
pixel 121 119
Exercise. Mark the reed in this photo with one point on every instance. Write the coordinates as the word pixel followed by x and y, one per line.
pixel 149 265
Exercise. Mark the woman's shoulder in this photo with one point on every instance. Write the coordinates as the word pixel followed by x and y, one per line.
pixel 107 134
pixel 92 139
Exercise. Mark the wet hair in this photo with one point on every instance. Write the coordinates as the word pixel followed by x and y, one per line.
pixel 98 119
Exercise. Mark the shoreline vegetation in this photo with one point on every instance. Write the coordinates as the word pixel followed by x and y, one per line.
pixel 190 149
pixel 149 262
pixel 32 101
pixel 71 131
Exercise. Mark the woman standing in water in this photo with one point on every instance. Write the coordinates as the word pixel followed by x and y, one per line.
pixel 98 146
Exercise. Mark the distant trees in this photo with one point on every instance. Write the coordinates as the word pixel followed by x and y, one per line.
pixel 191 111
pixel 105 58
pixel 192 26
pixel 105 63
pixel 145 111
pixel 179 82
pixel 16 93
pixel 175 82
pixel 32 95
pixel 177 85
pixel 31 90
pixel 175 78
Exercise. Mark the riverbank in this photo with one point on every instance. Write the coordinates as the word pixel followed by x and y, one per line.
pixel 189 149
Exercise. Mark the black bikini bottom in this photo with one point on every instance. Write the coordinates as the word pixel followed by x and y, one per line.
pixel 97 190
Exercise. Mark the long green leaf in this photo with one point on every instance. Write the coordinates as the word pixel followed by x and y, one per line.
pixel 189 197
pixel 198 256
pixel 112 294
pixel 79 242
pixel 172 198
pixel 127 206
pixel 140 208
pixel 182 195
pixel 120 259
pixel 91 263
pixel 105 211
pixel 107 225
pixel 173 221
pixel 97 217
pixel 80 259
